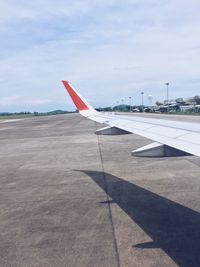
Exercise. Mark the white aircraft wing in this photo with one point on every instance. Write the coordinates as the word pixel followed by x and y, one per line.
pixel 171 138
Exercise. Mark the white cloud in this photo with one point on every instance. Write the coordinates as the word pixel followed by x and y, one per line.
pixel 19 100
pixel 9 100
pixel 39 101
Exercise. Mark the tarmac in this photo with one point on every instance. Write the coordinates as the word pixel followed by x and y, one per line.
pixel 71 198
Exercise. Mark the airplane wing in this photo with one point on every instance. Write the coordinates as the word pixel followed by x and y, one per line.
pixel 171 138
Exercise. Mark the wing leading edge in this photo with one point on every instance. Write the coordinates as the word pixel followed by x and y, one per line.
pixel 171 138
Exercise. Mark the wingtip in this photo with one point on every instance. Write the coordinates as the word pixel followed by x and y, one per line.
pixel 79 102
pixel 64 81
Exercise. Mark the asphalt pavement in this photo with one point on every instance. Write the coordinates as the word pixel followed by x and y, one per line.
pixel 71 198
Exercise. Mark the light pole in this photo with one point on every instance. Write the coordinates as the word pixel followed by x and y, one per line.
pixel 167 84
pixel 130 102
pixel 142 93
pixel 122 106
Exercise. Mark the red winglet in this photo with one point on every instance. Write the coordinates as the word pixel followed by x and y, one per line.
pixel 79 103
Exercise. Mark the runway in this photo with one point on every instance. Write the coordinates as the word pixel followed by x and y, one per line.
pixel 71 198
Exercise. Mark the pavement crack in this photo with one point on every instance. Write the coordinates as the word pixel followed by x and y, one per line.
pixel 109 203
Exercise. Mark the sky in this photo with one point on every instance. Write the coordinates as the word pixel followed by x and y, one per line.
pixel 109 50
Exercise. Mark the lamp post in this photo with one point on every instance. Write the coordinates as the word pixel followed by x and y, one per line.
pixel 122 107
pixel 167 84
pixel 130 102
pixel 142 93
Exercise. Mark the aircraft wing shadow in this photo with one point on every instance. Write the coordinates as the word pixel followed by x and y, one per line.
pixel 172 227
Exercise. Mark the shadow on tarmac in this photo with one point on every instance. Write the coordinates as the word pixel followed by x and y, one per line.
pixel 172 227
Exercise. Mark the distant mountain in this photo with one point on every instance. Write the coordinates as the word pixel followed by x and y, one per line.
pixel 4 113
pixel 53 112
pixel 57 112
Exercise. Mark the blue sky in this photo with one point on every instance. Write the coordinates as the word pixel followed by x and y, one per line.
pixel 108 50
